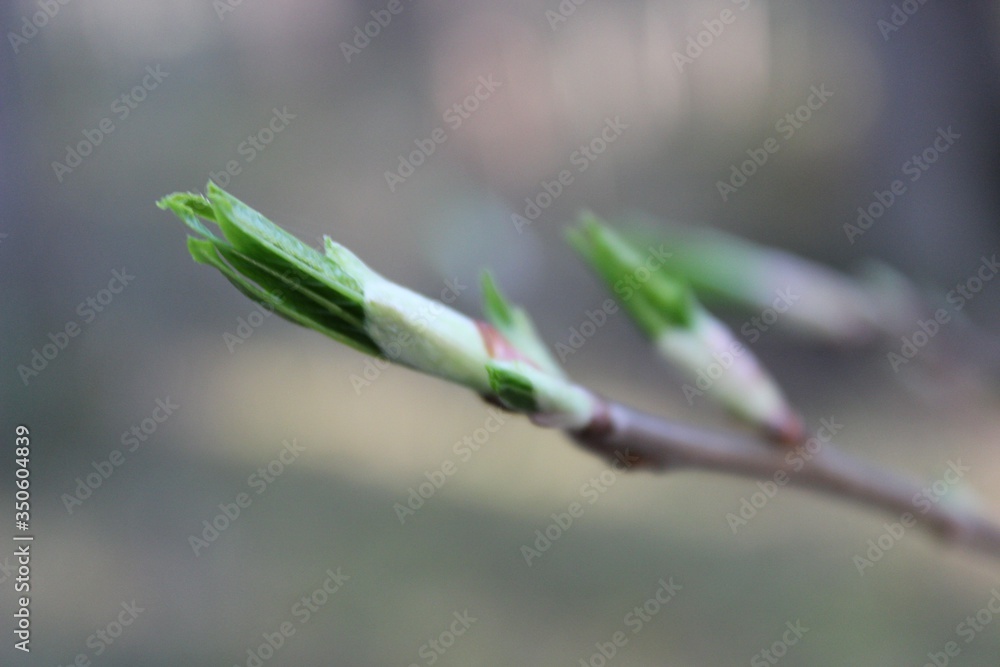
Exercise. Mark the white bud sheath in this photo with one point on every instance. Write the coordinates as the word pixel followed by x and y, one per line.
pixel 727 369
pixel 430 337
pixel 425 334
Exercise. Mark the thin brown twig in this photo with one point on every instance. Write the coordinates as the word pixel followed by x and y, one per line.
pixel 665 445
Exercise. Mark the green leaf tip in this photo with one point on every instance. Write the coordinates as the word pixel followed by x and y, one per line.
pixel 273 267
pixel 188 202
pixel 516 326
pixel 655 298
pixel 496 307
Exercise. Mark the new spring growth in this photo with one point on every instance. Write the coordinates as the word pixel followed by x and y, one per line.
pixel 523 374
pixel 833 306
pixel 686 334
pixel 337 294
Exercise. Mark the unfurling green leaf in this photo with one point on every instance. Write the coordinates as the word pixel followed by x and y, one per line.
pixel 684 333
pixel 338 295
pixel 654 298
pixel 516 326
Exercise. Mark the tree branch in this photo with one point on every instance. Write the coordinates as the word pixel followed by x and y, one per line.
pixel 337 294
pixel 665 445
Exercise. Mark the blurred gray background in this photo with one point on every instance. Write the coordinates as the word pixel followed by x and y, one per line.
pixel 346 114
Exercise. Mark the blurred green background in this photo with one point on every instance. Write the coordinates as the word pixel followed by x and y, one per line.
pixel 226 71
